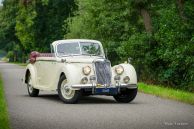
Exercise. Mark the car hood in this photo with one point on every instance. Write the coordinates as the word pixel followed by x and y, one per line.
pixel 82 59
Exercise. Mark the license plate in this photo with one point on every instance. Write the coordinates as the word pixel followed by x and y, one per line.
pixel 102 90
pixel 106 90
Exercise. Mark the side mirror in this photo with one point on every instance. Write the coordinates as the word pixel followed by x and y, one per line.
pixel 129 60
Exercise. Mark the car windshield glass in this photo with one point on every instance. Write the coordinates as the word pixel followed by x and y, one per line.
pixel 89 48
pixel 84 48
pixel 68 49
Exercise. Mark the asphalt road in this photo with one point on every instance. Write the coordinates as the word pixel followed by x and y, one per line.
pixel 95 112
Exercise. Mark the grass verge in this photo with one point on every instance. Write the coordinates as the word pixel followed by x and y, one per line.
pixel 4 121
pixel 18 63
pixel 169 93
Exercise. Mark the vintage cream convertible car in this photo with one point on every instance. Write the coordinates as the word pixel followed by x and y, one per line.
pixel 78 67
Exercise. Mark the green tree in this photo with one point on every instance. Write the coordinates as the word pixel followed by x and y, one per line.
pixel 8 14
pixel 111 22
pixel 25 29
pixel 39 23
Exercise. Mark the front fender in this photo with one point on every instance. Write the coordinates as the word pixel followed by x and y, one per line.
pixel 129 70
pixel 74 74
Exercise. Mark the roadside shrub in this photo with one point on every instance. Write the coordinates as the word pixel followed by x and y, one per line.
pixel 10 55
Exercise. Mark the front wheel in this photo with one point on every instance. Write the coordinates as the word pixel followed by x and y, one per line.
pixel 31 90
pixel 66 94
pixel 126 96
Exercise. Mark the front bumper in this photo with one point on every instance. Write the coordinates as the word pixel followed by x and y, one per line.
pixel 103 89
pixel 80 86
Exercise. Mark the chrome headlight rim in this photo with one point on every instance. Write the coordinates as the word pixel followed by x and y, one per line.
pixel 119 69
pixel 86 70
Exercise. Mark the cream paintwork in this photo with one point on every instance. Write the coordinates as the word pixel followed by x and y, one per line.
pixel 128 71
pixel 46 71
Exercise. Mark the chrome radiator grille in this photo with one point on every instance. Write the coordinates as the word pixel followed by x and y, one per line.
pixel 103 72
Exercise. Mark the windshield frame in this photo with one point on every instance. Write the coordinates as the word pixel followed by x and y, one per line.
pixel 81 54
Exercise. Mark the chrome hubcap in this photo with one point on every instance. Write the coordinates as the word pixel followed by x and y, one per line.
pixel 66 91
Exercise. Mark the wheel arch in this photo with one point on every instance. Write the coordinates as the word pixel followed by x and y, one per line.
pixel 30 70
pixel 62 74
pixel 27 75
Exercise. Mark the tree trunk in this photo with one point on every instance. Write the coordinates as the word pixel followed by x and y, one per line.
pixel 147 20
pixel 180 4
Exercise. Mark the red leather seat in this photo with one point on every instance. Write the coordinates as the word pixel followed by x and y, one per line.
pixel 33 56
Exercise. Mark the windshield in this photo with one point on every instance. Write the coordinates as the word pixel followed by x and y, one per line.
pixel 81 48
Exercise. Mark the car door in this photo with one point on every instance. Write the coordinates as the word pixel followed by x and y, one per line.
pixel 49 76
pixel 39 73
pixel 49 69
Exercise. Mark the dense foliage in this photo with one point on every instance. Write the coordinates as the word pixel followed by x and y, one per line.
pixel 28 25
pixel 157 34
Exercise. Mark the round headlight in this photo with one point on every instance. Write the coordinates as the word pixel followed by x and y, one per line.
pixel 126 79
pixel 84 80
pixel 119 69
pixel 86 70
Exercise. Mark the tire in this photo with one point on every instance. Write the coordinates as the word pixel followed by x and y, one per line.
pixel 66 94
pixel 31 91
pixel 126 96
